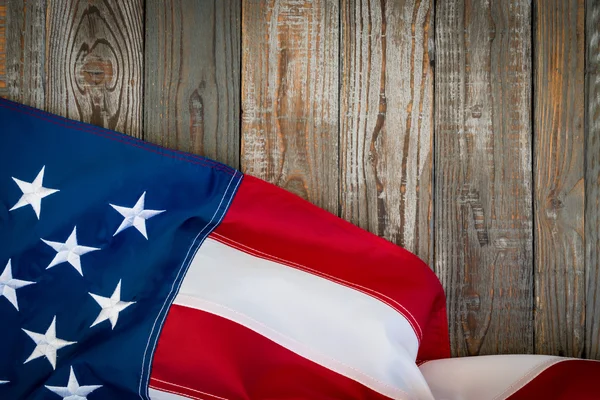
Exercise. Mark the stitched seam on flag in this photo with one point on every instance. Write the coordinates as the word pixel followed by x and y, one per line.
pixel 530 375
pixel 123 139
pixel 171 296
pixel 179 274
pixel 185 387
pixel 300 344
pixel 351 285
pixel 369 292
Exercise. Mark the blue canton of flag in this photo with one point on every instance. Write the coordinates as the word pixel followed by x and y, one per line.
pixel 97 230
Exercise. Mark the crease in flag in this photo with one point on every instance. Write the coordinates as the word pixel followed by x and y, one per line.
pixel 131 271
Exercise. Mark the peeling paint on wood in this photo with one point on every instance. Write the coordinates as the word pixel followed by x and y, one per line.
pixel 483 193
pixel 386 120
pixel 290 61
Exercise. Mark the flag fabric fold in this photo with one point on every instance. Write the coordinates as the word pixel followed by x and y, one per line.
pixel 130 271
pixel 97 231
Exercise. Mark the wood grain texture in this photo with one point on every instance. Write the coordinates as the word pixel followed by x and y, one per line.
pixel 290 62
pixel 335 100
pixel 386 120
pixel 592 180
pixel 192 95
pixel 94 60
pixel 22 51
pixel 559 172
pixel 4 29
pixel 483 189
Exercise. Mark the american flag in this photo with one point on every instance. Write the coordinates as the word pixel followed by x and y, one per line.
pixel 130 271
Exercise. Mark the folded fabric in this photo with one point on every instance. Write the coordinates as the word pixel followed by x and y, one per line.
pixel 133 271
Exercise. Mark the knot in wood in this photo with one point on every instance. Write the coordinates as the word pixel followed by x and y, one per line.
pixel 476 111
pixel 554 203
pixel 472 301
pixel 97 71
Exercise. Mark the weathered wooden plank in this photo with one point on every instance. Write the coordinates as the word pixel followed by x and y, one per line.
pixel 4 29
pixel 192 92
pixel 4 24
pixel 386 120
pixel 290 97
pixel 592 180
pixel 22 51
pixel 559 177
pixel 483 189
pixel 94 60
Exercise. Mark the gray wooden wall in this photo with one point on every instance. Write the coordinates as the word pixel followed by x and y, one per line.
pixel 465 131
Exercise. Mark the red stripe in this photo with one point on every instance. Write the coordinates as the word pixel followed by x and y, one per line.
pixel 566 380
pixel 201 355
pixel 268 221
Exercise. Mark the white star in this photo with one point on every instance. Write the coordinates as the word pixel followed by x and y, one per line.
pixel 33 193
pixel 73 391
pixel 69 251
pixel 111 306
pixel 135 216
pixel 47 344
pixel 9 286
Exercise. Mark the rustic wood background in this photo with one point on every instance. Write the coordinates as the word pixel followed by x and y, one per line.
pixel 465 131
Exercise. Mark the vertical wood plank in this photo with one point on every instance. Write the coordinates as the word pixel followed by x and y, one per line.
pixel 192 95
pixel 483 189
pixel 592 180
pixel 290 125
pixel 386 120
pixel 559 180
pixel 22 51
pixel 94 60
pixel 4 29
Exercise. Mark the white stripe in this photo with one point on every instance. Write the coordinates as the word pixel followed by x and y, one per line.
pixel 340 328
pixel 156 394
pixel 174 393
pixel 484 377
